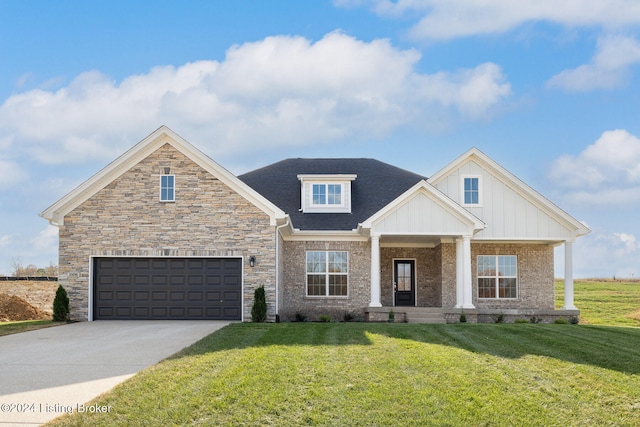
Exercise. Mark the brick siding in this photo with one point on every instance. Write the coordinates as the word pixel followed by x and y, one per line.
pixel 293 286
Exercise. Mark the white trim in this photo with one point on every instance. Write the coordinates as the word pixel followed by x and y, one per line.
pixel 327 205
pixel 325 236
pixel 569 303
pixel 173 189
pixel 496 277
pixel 326 274
pixel 244 259
pixel 415 280
pixel 327 177
pixel 375 272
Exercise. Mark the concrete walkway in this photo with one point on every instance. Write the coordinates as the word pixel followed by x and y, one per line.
pixel 49 372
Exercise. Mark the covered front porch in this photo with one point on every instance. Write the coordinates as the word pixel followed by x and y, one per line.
pixel 420 271
pixel 424 251
pixel 421 251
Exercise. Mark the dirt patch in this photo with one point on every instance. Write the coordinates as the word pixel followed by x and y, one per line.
pixel 635 315
pixel 13 308
pixel 38 294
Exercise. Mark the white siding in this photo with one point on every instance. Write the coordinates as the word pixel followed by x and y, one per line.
pixel 421 215
pixel 508 213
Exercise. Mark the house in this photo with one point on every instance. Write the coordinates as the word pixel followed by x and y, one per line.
pixel 164 232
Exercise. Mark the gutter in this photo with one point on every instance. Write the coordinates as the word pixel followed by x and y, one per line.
pixel 288 222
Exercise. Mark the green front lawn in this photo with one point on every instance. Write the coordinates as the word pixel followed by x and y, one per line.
pixel 350 374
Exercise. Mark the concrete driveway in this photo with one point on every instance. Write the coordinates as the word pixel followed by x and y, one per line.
pixel 48 372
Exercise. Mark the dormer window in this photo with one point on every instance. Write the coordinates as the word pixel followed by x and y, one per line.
pixel 326 193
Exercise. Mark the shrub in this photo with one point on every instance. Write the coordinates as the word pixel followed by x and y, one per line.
pixel 535 319
pixel 392 316
pixel 325 318
pixel 463 318
pixel 520 320
pixel 561 321
pixel 300 317
pixel 499 318
pixel 349 317
pixel 61 305
pixel 259 309
pixel 574 320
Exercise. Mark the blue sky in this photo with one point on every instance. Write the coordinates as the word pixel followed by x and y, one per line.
pixel 548 89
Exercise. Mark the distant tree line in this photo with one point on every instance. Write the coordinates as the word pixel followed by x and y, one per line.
pixel 20 270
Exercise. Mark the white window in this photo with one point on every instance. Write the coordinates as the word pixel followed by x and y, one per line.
pixel 167 188
pixel 497 276
pixel 327 273
pixel 326 193
pixel 471 190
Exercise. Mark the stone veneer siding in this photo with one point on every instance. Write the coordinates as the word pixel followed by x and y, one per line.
pixel 293 286
pixel 126 218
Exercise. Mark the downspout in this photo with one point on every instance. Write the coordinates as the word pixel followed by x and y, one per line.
pixel 278 266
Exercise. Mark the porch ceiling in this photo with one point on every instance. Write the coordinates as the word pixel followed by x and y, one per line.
pixel 412 240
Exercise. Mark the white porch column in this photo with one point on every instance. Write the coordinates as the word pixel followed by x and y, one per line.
pixel 466 284
pixel 459 274
pixel 568 276
pixel 375 271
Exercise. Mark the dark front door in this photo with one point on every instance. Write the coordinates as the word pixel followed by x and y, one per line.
pixel 404 282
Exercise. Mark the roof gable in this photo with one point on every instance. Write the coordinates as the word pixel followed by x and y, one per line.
pixel 163 135
pixel 423 210
pixel 513 209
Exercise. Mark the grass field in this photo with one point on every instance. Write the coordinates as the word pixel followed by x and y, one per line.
pixel 614 303
pixel 352 374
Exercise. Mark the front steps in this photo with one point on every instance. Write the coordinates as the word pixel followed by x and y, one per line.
pixel 432 315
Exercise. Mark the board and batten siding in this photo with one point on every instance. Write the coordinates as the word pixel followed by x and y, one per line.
pixel 421 215
pixel 507 213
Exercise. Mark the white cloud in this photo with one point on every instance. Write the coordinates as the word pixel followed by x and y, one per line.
pixel 46 240
pixel 605 173
pixel 631 245
pixel 602 254
pixel 446 19
pixel 609 68
pixel 11 174
pixel 5 240
pixel 279 91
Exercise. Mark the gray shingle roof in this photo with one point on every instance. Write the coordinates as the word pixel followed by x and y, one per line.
pixel 376 186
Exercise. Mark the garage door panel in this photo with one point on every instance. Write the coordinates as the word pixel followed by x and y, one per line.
pixel 105 295
pixel 195 312
pixel 177 295
pixel 171 288
pixel 159 296
pixel 141 295
pixel 141 311
pixel 122 312
pixel 123 296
